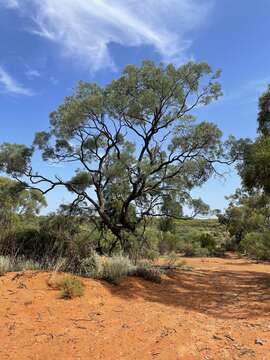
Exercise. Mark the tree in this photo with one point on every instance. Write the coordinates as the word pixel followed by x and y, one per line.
pixel 135 144
pixel 248 216
pixel 264 113
pixel 255 169
pixel 15 198
pixel 246 213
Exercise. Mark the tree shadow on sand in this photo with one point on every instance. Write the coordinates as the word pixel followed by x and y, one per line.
pixel 221 294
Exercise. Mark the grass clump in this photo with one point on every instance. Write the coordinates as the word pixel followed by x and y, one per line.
pixel 29 265
pixel 149 272
pixel 69 286
pixel 115 268
pixel 92 266
pixel 6 265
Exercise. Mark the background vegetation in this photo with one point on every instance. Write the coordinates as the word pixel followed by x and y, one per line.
pixel 140 188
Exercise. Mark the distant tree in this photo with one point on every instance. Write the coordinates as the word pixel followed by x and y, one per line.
pixel 264 113
pixel 137 147
pixel 255 169
pixel 248 215
pixel 15 198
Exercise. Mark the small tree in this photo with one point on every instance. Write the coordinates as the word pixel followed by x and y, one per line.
pixel 135 144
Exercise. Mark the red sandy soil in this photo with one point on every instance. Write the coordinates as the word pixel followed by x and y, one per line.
pixel 219 310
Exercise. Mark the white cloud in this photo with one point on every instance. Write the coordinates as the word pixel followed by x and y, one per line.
pixel 32 73
pixel 9 85
pixel 85 28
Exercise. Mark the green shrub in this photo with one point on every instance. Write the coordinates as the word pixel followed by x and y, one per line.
pixel 148 272
pixel 194 249
pixel 169 242
pixel 115 268
pixel 207 241
pixel 70 287
pixel 257 245
pixel 231 244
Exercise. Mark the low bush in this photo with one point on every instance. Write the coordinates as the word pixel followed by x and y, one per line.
pixel 231 244
pixel 149 272
pixel 69 286
pixel 6 265
pixel 256 245
pixel 115 268
pixel 92 266
pixel 207 241
pixel 195 250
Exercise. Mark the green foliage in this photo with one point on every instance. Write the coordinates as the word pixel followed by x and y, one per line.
pixel 257 245
pixel 16 199
pixel 195 250
pixel 248 216
pixel 247 213
pixel 14 158
pixel 115 268
pixel 207 241
pixel 255 170
pixel 113 134
pixel 70 287
pixel 264 113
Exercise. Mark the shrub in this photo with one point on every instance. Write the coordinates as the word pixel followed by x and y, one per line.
pixel 257 245
pixel 70 287
pixel 169 242
pixel 194 249
pixel 6 265
pixel 115 268
pixel 171 259
pixel 231 244
pixel 148 272
pixel 92 266
pixel 207 241
pixel 29 265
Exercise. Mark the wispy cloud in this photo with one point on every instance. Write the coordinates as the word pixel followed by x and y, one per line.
pixel 85 28
pixel 10 4
pixel 9 85
pixel 32 73
pixel 248 92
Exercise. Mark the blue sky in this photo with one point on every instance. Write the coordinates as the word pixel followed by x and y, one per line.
pixel 47 46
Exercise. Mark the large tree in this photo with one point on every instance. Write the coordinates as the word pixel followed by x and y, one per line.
pixel 137 147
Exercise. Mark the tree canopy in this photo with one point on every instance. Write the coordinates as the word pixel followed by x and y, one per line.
pixel 135 142
pixel 247 216
pixel 254 169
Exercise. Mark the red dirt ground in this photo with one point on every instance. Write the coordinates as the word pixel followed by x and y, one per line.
pixel 219 310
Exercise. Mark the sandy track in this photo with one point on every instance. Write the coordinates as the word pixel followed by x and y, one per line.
pixel 220 310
